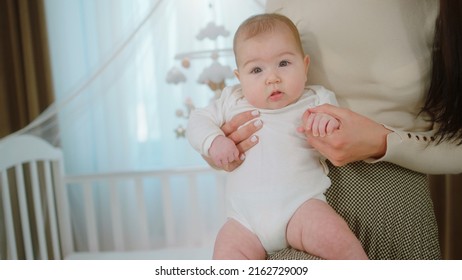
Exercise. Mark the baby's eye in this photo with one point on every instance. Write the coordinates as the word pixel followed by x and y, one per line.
pixel 283 63
pixel 256 70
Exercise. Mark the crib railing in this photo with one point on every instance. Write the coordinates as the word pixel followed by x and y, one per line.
pixel 145 210
pixel 30 188
pixel 46 214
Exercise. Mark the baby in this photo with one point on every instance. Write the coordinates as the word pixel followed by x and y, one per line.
pixel 275 199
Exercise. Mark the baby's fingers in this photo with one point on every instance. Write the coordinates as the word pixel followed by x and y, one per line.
pixel 332 125
pixel 308 121
pixel 317 122
pixel 234 155
pixel 327 125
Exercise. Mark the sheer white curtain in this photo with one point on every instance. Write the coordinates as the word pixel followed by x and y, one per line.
pixel 110 58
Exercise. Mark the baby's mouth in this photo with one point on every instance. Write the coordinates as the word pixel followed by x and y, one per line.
pixel 276 95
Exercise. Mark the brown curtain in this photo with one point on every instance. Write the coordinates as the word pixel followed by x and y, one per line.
pixel 25 76
pixel 447 197
pixel 25 73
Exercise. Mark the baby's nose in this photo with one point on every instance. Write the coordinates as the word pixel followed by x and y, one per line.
pixel 273 79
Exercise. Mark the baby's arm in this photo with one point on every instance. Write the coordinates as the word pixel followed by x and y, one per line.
pixel 321 124
pixel 223 151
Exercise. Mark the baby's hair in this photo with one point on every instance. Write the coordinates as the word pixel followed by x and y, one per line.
pixel 262 23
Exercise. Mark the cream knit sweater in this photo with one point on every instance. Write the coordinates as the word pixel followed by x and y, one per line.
pixel 376 56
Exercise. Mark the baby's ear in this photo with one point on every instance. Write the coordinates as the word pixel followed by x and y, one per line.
pixel 236 73
pixel 306 61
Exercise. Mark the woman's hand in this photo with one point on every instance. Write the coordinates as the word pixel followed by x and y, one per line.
pixel 357 138
pixel 243 137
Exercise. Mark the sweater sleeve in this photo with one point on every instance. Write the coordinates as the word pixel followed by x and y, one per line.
pixel 204 124
pixel 419 151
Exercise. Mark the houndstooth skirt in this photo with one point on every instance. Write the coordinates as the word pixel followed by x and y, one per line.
pixel 388 207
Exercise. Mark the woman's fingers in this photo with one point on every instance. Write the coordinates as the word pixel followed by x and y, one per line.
pixel 240 129
pixel 239 120
pixel 243 135
pixel 247 144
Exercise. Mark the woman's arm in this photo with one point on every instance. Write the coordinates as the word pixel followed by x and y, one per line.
pixel 360 138
pixel 417 151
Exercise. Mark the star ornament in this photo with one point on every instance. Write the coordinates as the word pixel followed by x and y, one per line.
pixel 180 132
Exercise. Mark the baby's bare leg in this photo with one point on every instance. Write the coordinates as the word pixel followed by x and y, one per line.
pixel 317 229
pixel 236 242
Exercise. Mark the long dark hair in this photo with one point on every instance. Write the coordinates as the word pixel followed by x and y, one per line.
pixel 444 99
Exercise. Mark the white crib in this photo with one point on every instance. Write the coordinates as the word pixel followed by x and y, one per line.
pixel 46 214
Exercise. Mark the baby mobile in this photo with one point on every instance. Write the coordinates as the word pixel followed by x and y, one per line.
pixel 213 75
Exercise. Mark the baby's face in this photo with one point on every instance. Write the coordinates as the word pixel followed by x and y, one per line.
pixel 271 69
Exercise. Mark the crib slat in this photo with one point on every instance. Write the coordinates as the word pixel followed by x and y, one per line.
pixel 117 228
pixel 38 210
pixel 90 217
pixel 62 209
pixel 51 210
pixel 23 211
pixel 195 221
pixel 142 215
pixel 11 240
pixel 168 211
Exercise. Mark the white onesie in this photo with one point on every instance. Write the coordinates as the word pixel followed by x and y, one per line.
pixel 279 174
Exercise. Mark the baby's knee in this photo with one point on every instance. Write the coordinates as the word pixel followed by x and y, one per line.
pixel 236 242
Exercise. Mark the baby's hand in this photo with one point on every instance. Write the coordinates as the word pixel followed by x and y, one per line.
pixel 223 151
pixel 319 124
